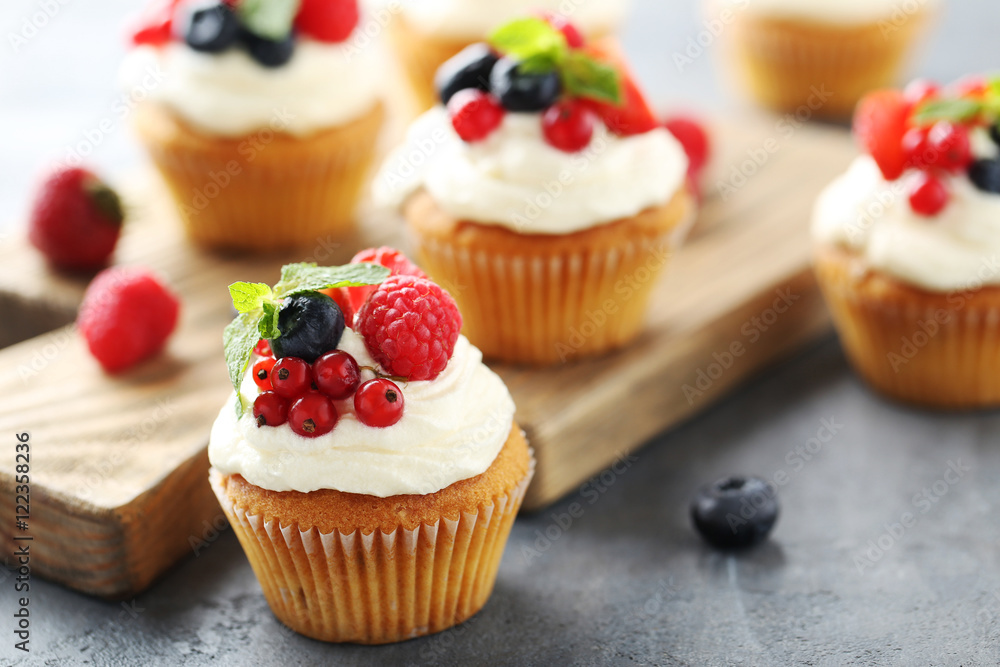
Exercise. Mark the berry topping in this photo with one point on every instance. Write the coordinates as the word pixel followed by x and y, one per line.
pixel 212 29
pixel 379 403
pixel 474 114
pixel 337 374
pixel 920 90
pixel 879 125
pixel 270 409
pixel 327 20
pixel 262 373
pixel 312 415
pixel 949 145
pixel 573 37
pixel 350 299
pixel 291 377
pixel 269 52
pixel 928 194
pixel 262 349
pixel 470 68
pixel 156 26
pixel 410 326
pixel 735 512
pixel 985 175
pixel 521 91
pixel 75 220
pixel 568 125
pixel 916 148
pixel 633 116
pixel 693 138
pixel 310 324
pixel 126 316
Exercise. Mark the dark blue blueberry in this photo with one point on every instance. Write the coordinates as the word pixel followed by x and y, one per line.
pixel 735 512
pixel 985 175
pixel 311 325
pixel 523 92
pixel 212 29
pixel 469 69
pixel 268 52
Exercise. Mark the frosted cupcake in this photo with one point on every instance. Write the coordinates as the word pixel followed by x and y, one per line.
pixel 426 33
pixel 257 113
pixel 369 465
pixel 907 244
pixel 824 54
pixel 549 203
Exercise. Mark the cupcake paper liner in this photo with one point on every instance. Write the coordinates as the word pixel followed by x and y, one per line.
pixel 265 191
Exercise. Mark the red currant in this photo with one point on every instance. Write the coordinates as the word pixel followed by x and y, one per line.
pixel 917 149
pixel 337 374
pixel 262 373
pixel 573 37
pixel 378 403
pixel 291 377
pixel 312 415
pixel 950 146
pixel 928 195
pixel 920 90
pixel 263 349
pixel 693 137
pixel 474 114
pixel 568 125
pixel 269 409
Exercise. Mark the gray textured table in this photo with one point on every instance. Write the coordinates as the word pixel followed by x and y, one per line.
pixel 841 582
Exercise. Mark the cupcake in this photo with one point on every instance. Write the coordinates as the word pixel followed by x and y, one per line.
pixel 548 204
pixel 426 33
pixel 369 463
pixel 822 55
pixel 256 112
pixel 907 244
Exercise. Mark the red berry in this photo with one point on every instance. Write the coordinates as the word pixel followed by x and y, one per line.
pixel 410 326
pixel 568 125
pixel 949 145
pixel 327 20
pixel 928 195
pixel 155 27
pixel 350 299
pixel 474 114
pixel 692 136
pixel 269 409
pixel 126 316
pixel 970 86
pixel 313 415
pixel 879 125
pixel 291 377
pixel 633 116
pixel 337 374
pixel 262 373
pixel 76 219
pixel 379 403
pixel 916 148
pixel 263 349
pixel 919 91
pixel 573 37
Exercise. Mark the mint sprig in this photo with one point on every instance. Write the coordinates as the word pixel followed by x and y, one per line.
pixel 960 110
pixel 258 306
pixel 271 19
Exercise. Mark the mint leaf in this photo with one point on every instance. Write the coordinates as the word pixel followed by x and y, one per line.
pixel 248 297
pixel 305 277
pixel 955 110
pixel 271 19
pixel 531 40
pixel 239 340
pixel 583 76
pixel 268 324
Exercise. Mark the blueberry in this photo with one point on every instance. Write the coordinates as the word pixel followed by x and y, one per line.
pixel 212 29
pixel 311 325
pixel 735 512
pixel 469 69
pixel 995 134
pixel 268 52
pixel 523 92
pixel 985 175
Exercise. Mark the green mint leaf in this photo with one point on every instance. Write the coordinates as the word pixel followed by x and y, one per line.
pixel 268 324
pixel 271 19
pixel 248 297
pixel 305 277
pixel 239 340
pixel 583 76
pixel 953 110
pixel 531 39
pixel 540 63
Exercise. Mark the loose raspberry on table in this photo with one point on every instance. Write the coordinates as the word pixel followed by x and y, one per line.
pixel 410 326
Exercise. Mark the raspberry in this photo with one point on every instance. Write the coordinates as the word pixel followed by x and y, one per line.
pixel 327 20
pixel 410 326
pixel 350 299
pixel 126 316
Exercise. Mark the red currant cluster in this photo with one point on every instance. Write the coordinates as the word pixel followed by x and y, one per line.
pixel 303 394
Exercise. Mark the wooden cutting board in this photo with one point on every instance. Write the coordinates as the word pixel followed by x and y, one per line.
pixel 119 488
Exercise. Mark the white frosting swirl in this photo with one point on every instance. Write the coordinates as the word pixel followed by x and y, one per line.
pixel 230 94
pixel 956 249
pixel 515 179
pixel 474 19
pixel 837 11
pixel 452 429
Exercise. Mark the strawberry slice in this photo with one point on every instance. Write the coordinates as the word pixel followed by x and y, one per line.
pixel 880 122
pixel 633 116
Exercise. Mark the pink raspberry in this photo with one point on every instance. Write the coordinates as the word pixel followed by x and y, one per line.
pixel 410 326
pixel 398 264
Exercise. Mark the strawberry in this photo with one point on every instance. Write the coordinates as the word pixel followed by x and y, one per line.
pixel 694 138
pixel 880 122
pixel 327 20
pixel 156 25
pixel 75 220
pixel 633 115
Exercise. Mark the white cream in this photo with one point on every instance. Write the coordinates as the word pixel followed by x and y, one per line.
pixel 229 94
pixel 474 19
pixel 514 179
pixel 452 429
pixel 836 11
pixel 955 250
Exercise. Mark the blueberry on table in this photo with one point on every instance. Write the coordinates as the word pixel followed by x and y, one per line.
pixel 518 91
pixel 470 68
pixel 985 175
pixel 212 29
pixel 311 324
pixel 735 512
pixel 268 52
